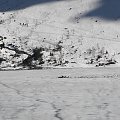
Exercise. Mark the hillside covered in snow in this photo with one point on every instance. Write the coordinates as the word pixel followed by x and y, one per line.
pixel 31 33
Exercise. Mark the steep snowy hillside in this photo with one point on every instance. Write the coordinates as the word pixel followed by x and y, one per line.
pixel 29 25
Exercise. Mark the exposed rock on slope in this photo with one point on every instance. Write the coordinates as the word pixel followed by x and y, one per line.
pixel 25 29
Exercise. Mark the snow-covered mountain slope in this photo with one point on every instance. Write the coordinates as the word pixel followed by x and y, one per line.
pixel 59 20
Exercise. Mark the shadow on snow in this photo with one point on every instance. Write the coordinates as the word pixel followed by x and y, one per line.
pixel 10 5
pixel 107 9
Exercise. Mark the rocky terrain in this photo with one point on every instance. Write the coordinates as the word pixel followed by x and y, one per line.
pixel 26 25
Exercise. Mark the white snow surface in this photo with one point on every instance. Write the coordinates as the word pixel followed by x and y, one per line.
pixel 60 94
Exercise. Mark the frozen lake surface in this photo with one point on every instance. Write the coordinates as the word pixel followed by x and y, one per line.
pixel 60 94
